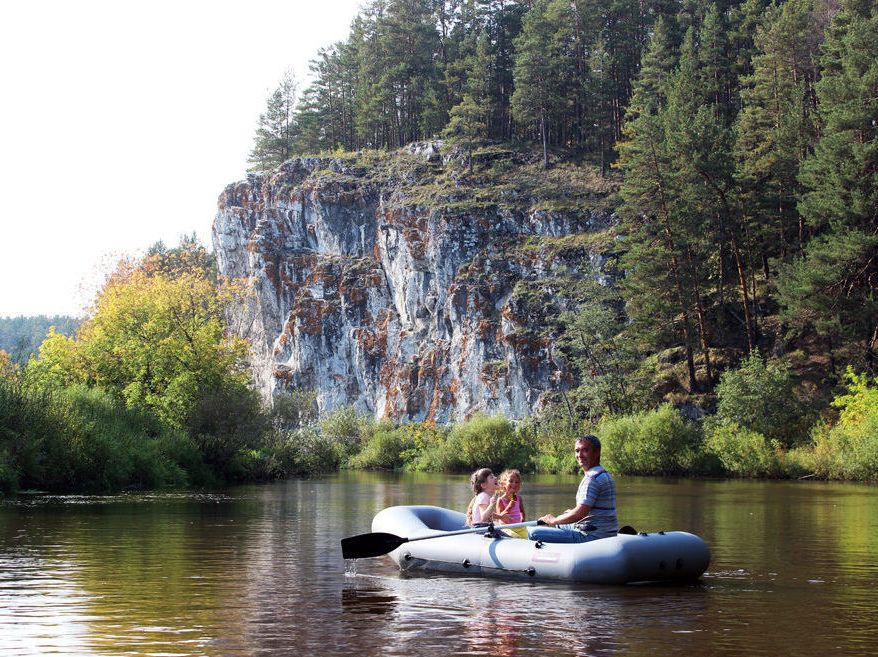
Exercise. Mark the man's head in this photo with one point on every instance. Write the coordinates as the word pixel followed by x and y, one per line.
pixel 587 451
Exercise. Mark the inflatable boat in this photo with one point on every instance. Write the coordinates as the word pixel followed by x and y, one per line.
pixel 431 538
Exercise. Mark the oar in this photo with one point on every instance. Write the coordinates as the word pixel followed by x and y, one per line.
pixel 375 544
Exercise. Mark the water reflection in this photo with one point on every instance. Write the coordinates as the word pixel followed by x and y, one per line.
pixel 479 617
pixel 258 571
pixel 367 600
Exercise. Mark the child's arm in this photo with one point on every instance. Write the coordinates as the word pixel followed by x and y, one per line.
pixel 521 506
pixel 497 513
pixel 503 508
pixel 486 510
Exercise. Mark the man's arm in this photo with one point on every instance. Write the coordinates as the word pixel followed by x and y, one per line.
pixel 575 514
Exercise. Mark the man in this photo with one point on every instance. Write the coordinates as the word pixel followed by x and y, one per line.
pixel 594 515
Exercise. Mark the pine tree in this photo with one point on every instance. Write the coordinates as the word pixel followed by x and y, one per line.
pixel 468 120
pixel 466 125
pixel 714 69
pixel 542 67
pixel 833 287
pixel 776 127
pixel 600 102
pixel 599 355
pixel 698 147
pixel 273 144
pixel 655 293
pixel 659 60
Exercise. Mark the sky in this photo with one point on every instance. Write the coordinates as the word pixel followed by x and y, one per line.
pixel 121 122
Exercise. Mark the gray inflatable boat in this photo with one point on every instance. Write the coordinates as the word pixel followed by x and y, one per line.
pixel 659 557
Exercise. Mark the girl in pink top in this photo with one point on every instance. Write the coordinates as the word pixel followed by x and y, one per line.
pixel 509 503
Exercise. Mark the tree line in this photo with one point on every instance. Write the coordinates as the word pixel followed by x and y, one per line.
pixel 558 71
pixel 20 336
pixel 749 186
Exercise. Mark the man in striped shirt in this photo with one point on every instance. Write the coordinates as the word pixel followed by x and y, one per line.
pixel 594 515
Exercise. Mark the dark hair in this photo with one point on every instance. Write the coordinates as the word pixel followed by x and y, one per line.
pixel 589 438
pixel 478 478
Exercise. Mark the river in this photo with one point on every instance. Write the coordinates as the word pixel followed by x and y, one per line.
pixel 257 570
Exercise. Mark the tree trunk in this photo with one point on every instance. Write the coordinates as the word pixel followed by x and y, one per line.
pixel 545 144
pixel 736 252
pixel 702 322
pixel 742 278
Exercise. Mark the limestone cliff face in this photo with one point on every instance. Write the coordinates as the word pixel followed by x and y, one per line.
pixel 376 286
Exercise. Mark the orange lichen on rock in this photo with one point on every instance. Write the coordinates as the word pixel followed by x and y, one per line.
pixel 310 314
pixel 532 350
pixel 373 341
pixel 486 327
pixel 283 373
pixel 509 314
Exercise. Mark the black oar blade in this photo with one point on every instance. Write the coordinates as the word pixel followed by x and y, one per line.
pixel 364 546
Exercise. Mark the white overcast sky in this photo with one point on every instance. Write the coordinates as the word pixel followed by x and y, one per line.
pixel 122 121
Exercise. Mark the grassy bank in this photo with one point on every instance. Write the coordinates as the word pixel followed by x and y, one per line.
pixel 80 439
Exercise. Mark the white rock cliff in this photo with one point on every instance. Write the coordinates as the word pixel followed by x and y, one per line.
pixel 405 309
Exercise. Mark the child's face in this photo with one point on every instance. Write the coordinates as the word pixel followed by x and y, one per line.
pixel 513 484
pixel 490 484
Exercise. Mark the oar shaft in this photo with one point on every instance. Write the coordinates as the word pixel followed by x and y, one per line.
pixel 378 543
pixel 474 530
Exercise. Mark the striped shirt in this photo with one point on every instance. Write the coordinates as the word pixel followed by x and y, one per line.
pixel 598 491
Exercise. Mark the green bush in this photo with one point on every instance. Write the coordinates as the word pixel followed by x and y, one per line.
pixel 849 448
pixel 427 439
pixel 490 442
pixel 759 396
pixel 745 452
pixel 313 453
pixel 552 436
pixel 302 451
pixel 225 420
pixel 846 452
pixel 384 448
pixel 294 410
pixel 8 474
pixel 480 442
pixel 444 455
pixel 343 429
pixel 109 447
pixel 80 439
pixel 658 442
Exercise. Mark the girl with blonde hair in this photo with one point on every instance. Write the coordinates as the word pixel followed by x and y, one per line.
pixel 509 502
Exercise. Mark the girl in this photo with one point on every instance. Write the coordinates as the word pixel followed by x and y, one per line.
pixel 483 507
pixel 509 503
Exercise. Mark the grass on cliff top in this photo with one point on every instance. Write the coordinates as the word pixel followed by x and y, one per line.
pixel 501 177
pixel 567 187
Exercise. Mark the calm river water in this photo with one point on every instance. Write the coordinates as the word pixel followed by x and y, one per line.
pixel 258 571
